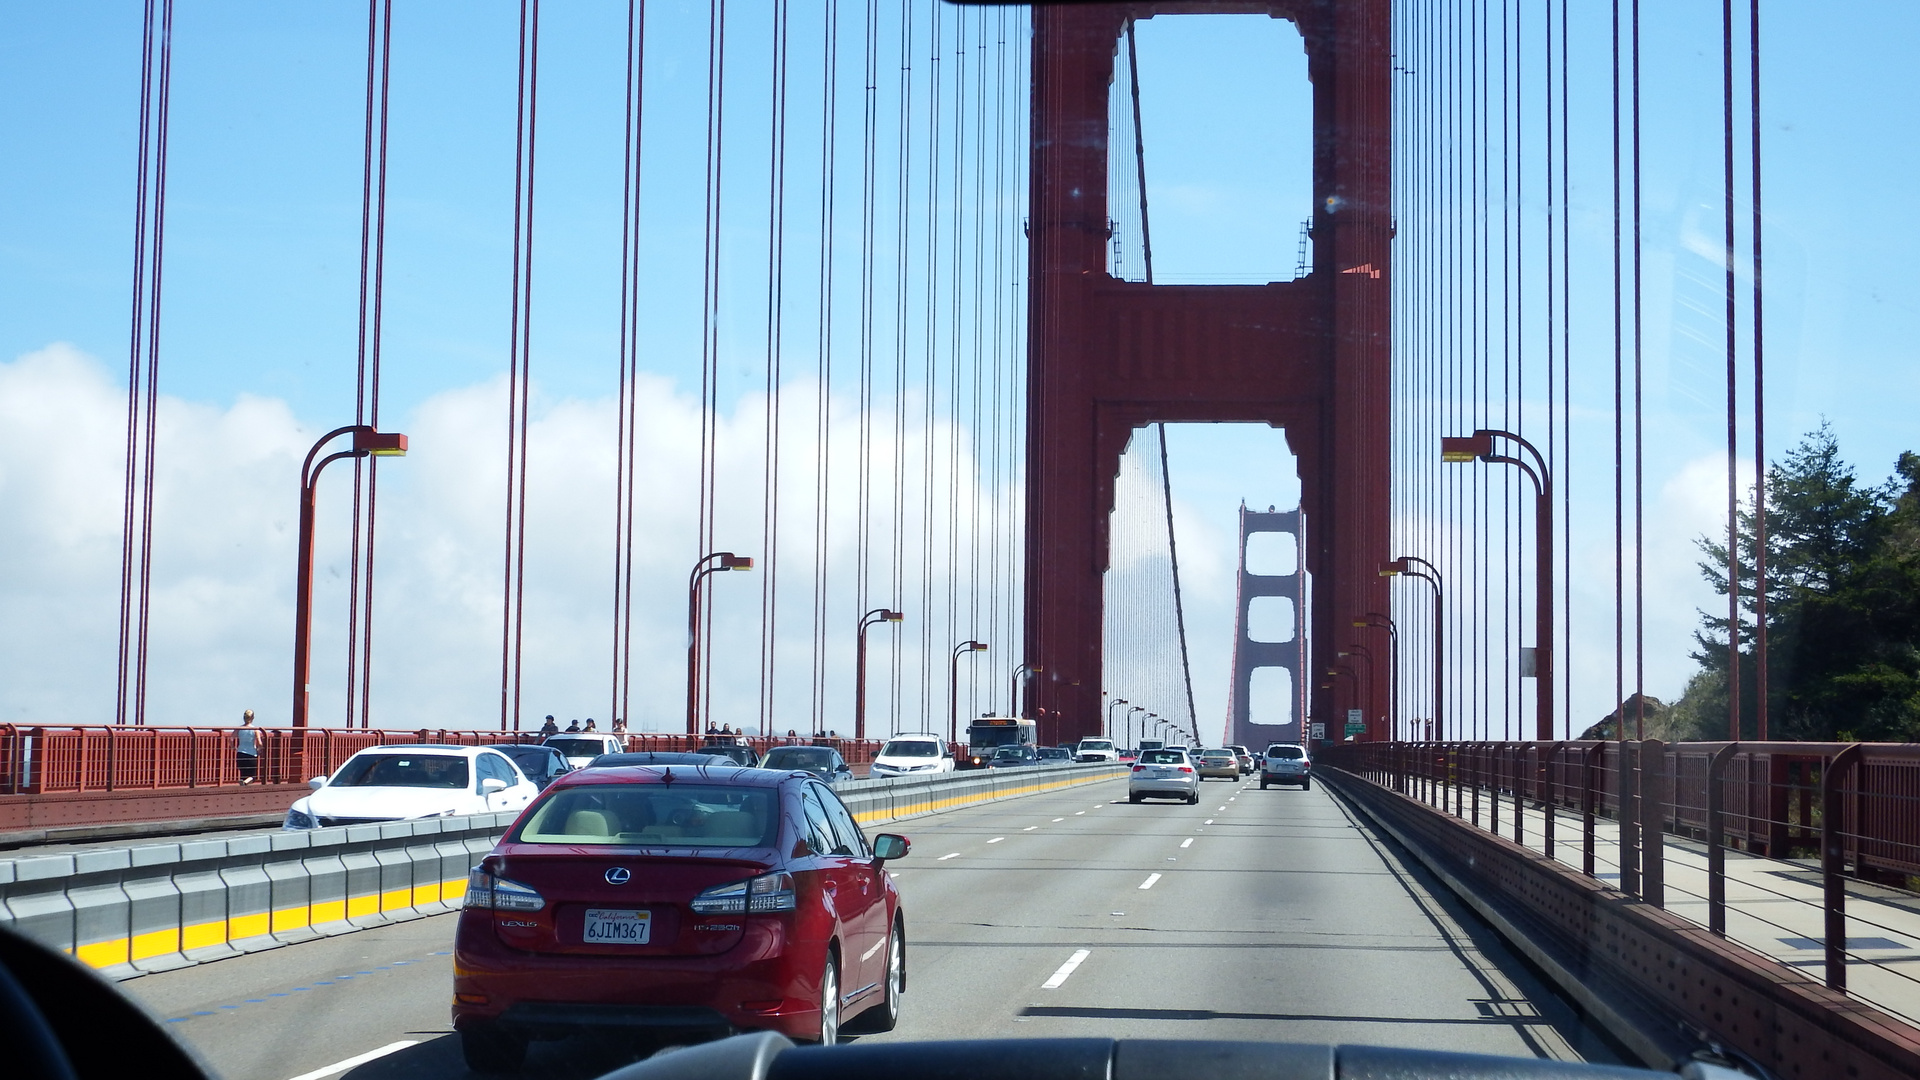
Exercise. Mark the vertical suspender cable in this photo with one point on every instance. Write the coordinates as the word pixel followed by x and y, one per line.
pixel 1639 439
pixel 1733 448
pixel 519 360
pixel 776 319
pixel 366 404
pixel 869 133
pixel 143 361
pixel 626 456
pixel 1759 396
pixel 710 315
pixel 903 186
pixel 823 371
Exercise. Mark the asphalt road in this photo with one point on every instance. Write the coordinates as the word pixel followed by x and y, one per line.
pixel 1269 915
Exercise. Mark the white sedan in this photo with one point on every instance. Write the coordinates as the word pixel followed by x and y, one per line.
pixel 398 783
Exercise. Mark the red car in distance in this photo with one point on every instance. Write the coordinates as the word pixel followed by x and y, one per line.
pixel 678 902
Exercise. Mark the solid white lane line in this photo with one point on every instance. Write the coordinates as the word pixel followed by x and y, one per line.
pixel 996 839
pixel 1188 842
pixel 1066 969
pixel 944 858
pixel 1151 878
pixel 358 1060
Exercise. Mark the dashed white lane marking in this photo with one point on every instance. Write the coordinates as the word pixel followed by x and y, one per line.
pixel 1188 842
pixel 1222 808
pixel 1057 978
pixel 1209 821
pixel 1230 798
pixel 1077 813
pixel 1030 828
pixel 944 858
pixel 996 839
pixel 1151 878
pixel 358 1060
pixel 1059 819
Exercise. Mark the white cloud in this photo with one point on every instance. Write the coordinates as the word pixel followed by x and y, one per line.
pixel 225 518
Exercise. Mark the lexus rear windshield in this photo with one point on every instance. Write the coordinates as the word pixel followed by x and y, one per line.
pixel 653 815
pixel 403 770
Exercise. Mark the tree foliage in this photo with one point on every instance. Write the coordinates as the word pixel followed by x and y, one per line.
pixel 1842 605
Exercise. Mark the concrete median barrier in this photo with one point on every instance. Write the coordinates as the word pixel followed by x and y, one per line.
pixel 127 911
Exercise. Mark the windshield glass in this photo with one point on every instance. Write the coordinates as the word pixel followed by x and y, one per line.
pixel 1096 744
pixel 1291 752
pixel 403 770
pixel 916 748
pixel 700 815
pixel 815 759
pixel 1162 757
pixel 996 735
pixel 579 747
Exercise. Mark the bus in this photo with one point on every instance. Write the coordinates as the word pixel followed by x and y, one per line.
pixel 989 733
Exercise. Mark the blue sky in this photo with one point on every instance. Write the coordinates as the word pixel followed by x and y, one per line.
pixel 261 286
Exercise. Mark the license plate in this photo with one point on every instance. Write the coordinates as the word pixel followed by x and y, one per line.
pixel 610 927
pixel 1163 772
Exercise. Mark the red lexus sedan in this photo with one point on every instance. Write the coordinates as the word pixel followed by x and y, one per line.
pixel 679 901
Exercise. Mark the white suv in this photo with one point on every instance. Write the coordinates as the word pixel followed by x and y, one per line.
pixel 917 755
pixel 1096 750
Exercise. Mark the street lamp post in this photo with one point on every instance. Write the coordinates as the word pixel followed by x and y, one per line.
pixel 953 686
pixel 1020 675
pixel 712 563
pixel 1374 618
pixel 1479 446
pixel 1415 567
pixel 877 615
pixel 367 442
pixel 1112 705
pixel 1131 709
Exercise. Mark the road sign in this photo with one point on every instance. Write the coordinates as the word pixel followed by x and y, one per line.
pixel 1356 722
pixel 1319 732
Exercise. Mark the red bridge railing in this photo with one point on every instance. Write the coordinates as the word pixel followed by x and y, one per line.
pixel 52 760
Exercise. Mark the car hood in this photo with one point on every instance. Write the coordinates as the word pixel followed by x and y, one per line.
pixel 392 803
pixel 893 762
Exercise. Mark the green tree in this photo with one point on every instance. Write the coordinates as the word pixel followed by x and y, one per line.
pixel 1843 605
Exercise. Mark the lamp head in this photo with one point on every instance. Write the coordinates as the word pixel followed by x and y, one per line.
pixel 730 561
pixel 891 616
pixel 1476 446
pixel 1397 566
pixel 379 443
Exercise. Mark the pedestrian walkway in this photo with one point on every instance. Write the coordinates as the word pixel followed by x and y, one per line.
pixel 1775 907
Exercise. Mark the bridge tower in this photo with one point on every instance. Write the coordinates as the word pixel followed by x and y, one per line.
pixel 1106 356
pixel 1248 654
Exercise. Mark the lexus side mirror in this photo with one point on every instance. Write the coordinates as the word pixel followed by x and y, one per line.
pixel 890 846
pixel 491 785
pixel 316 783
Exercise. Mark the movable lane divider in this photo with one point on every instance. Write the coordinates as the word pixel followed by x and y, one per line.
pixel 132 910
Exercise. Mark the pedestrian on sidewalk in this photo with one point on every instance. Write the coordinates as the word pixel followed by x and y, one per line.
pixel 246 749
pixel 549 728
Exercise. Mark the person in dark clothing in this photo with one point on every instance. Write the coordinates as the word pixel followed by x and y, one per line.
pixel 549 728
pixel 573 726
pixel 246 749
pixel 590 726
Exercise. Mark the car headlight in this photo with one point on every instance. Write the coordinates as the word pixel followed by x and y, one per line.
pixel 299 819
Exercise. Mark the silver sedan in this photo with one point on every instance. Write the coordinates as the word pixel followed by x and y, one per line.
pixel 1164 774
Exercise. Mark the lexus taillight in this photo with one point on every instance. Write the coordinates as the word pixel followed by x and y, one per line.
pixel 489 893
pixel 768 892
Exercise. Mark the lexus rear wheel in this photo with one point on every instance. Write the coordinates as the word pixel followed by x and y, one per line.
pixel 830 1001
